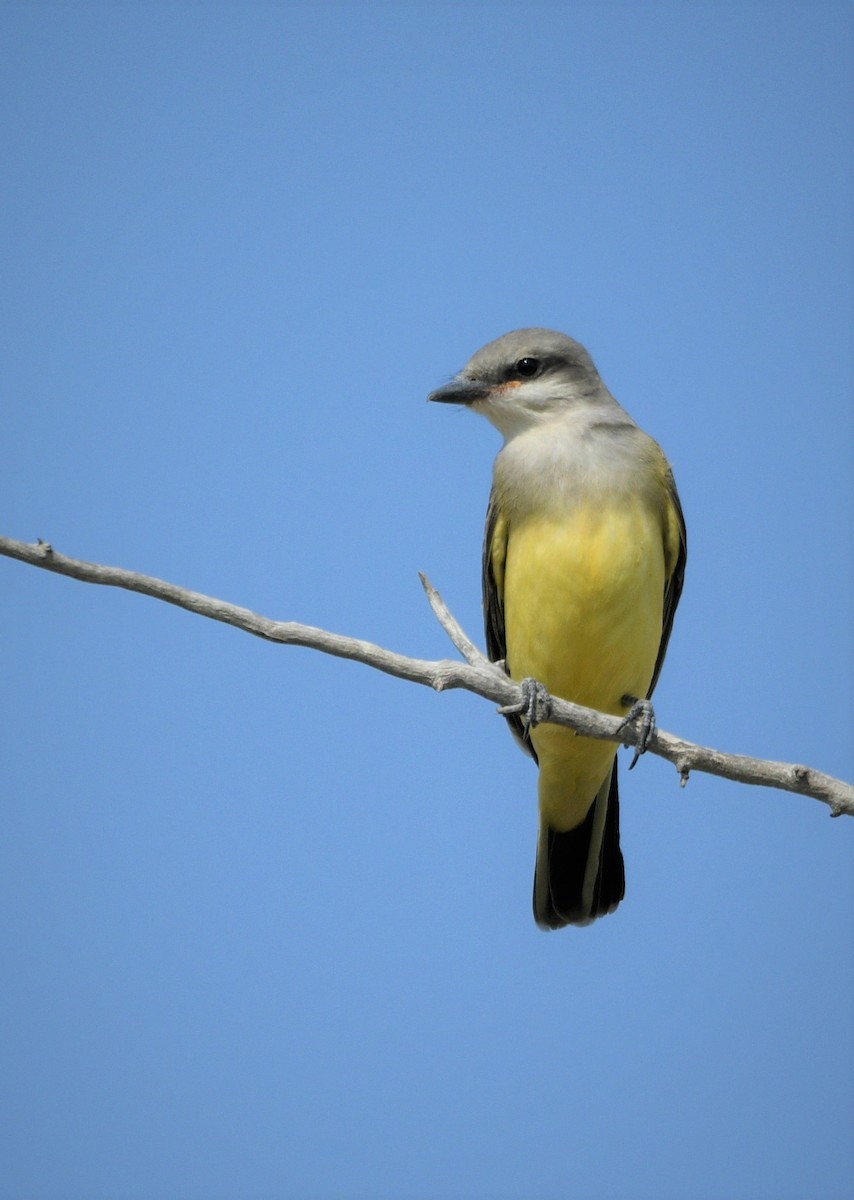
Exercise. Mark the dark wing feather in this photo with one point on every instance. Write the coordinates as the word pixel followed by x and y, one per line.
pixel 673 584
pixel 494 553
pixel 493 600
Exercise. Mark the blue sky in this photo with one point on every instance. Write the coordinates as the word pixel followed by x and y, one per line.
pixel 264 915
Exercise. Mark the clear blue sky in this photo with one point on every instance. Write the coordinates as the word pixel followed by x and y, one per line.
pixel 265 916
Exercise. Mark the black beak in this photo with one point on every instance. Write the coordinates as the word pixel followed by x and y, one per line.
pixel 461 391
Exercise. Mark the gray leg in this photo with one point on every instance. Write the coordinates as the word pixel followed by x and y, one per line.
pixel 642 715
pixel 533 708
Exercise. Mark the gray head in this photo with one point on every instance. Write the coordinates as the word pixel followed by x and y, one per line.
pixel 526 378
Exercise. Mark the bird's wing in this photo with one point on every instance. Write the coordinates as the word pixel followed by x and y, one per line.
pixel 676 552
pixel 494 558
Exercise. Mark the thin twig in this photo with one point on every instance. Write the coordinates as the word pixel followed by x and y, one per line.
pixel 476 675
pixel 470 652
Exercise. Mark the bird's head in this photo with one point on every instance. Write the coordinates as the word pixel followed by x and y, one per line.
pixel 526 378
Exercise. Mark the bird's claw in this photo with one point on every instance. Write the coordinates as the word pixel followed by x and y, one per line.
pixel 534 707
pixel 642 715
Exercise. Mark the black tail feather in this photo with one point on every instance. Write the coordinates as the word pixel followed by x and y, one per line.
pixel 566 859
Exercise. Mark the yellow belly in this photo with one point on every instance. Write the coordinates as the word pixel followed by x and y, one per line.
pixel 583 608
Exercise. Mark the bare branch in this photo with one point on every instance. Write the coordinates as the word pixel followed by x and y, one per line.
pixel 451 626
pixel 476 675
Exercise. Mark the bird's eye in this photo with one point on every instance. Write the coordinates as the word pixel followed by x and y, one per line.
pixel 528 367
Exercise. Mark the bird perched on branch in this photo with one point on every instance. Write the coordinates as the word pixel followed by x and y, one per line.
pixel 583 562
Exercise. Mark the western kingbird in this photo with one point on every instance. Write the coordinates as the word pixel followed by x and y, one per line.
pixel 583 562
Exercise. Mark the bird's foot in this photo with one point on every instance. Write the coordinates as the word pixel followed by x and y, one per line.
pixel 642 716
pixel 534 707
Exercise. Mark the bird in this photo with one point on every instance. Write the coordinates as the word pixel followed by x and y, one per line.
pixel 583 565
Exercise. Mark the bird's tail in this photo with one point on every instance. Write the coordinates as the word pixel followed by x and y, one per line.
pixel 579 874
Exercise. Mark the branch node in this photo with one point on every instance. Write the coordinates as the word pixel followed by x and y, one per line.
pixel 45 548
